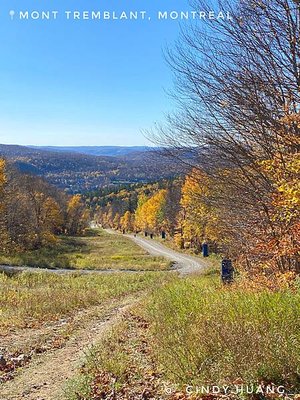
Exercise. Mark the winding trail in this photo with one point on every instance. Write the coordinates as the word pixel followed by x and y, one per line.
pixel 185 264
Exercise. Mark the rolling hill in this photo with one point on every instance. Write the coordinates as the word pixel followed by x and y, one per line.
pixel 78 172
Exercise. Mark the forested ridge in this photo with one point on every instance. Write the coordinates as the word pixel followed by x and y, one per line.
pixel 79 173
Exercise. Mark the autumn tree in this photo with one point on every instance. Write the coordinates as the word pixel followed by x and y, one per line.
pixel 3 181
pixel 140 213
pixel 172 206
pixel 199 220
pixel 32 211
pixel 117 221
pixel 282 243
pixel 238 95
pixel 127 221
pixel 77 216
pixel 2 175
pixel 151 212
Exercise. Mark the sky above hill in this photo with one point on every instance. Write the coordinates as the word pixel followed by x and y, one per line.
pixel 83 81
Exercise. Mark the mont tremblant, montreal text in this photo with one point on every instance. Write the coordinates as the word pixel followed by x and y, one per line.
pixel 121 15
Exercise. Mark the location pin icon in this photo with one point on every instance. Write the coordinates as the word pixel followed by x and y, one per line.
pixel 12 14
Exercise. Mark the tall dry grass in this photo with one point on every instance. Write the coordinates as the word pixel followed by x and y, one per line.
pixel 30 298
pixel 206 333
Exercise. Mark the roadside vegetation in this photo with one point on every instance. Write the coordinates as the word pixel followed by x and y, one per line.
pixel 205 332
pixel 195 331
pixel 97 250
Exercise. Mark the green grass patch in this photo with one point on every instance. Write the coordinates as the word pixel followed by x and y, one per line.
pixel 98 250
pixel 28 299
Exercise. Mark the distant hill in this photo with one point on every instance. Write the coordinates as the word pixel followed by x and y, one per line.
pixel 78 172
pixel 110 151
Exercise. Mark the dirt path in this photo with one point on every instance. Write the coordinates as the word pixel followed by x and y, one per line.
pixel 11 269
pixel 45 377
pixel 185 264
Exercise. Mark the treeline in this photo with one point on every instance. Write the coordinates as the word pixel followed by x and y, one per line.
pixel 122 197
pixel 32 212
pixel 120 207
pixel 201 209
pixel 176 208
pixel 170 207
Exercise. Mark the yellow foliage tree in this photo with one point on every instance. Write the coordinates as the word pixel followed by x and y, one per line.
pixel 3 232
pixel 2 173
pixel 52 218
pixel 2 180
pixel 199 220
pixel 284 239
pixel 117 221
pixel 140 219
pixel 126 221
pixel 150 214
pixel 77 216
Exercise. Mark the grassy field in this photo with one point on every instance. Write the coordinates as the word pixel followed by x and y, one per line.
pixel 197 332
pixel 98 250
pixel 28 299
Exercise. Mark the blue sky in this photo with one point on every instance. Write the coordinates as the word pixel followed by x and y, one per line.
pixel 83 82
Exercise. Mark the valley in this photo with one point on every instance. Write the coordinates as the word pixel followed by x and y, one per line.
pixel 83 170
